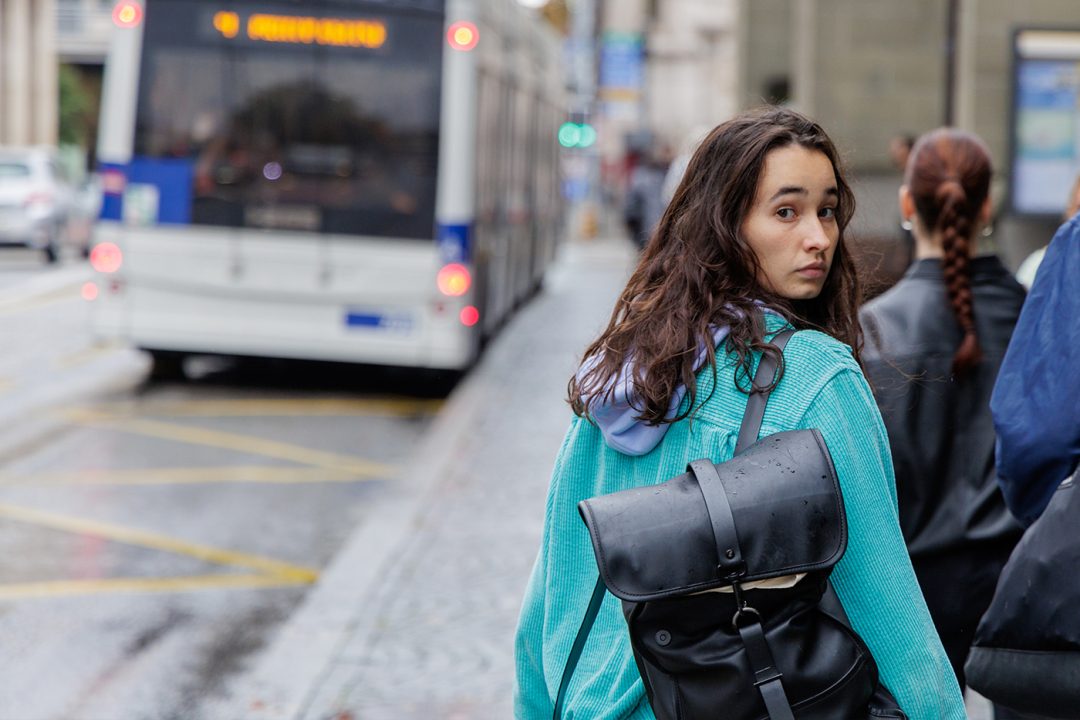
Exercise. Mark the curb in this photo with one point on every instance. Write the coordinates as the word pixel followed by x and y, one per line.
pixel 290 672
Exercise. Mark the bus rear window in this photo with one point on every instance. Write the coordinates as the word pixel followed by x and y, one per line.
pixel 319 116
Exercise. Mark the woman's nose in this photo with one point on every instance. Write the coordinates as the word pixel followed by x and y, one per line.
pixel 817 237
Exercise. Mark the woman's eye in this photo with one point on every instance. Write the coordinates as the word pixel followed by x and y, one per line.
pixel 829 212
pixel 786 213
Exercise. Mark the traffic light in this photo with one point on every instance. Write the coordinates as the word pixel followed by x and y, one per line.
pixel 577 135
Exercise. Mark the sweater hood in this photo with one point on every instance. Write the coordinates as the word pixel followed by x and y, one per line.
pixel 617 414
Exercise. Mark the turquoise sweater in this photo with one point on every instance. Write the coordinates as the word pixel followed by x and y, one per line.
pixel 822 388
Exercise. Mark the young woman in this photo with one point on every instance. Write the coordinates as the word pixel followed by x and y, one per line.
pixel 935 344
pixel 757 222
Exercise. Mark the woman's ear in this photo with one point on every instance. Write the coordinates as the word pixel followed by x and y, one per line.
pixel 907 204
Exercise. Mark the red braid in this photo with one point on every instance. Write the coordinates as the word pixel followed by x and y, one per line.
pixel 955 229
pixel 949 179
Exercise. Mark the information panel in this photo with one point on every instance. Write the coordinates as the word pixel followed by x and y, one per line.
pixel 1046 120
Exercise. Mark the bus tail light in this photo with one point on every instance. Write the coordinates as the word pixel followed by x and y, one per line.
pixel 453 280
pixel 89 291
pixel 463 36
pixel 469 316
pixel 106 257
pixel 127 14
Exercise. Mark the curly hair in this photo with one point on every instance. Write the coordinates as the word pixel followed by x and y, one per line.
pixel 697 272
pixel 949 180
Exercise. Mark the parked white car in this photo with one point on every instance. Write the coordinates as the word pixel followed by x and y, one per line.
pixel 37 201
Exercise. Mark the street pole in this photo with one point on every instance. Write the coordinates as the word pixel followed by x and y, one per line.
pixel 952 24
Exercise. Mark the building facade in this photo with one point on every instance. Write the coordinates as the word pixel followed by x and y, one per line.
pixel 28 72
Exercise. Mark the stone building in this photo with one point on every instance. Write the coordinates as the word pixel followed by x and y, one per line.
pixel 28 72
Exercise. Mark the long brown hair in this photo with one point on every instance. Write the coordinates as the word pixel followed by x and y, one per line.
pixel 949 180
pixel 697 273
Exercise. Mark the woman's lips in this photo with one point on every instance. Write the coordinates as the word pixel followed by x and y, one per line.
pixel 814 271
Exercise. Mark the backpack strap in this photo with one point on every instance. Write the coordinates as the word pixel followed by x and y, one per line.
pixel 579 644
pixel 759 394
pixel 767 677
pixel 729 558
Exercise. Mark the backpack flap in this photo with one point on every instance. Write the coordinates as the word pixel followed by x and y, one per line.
pixel 784 514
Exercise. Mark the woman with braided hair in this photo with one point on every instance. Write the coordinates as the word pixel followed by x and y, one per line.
pixel 935 342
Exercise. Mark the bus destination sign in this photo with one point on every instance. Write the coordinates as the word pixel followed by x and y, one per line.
pixel 301 30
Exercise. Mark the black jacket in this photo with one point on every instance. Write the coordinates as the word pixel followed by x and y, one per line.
pixel 940 428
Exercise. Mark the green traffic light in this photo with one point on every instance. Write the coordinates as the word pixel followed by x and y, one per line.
pixel 579 135
pixel 588 136
pixel 569 134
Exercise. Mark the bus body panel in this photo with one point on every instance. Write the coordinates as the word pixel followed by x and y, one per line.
pixel 353 303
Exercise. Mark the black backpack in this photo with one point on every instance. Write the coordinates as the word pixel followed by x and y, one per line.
pixel 1026 652
pixel 774 510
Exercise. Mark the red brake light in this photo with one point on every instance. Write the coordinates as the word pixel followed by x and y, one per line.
pixel 463 35
pixel 127 14
pixel 469 316
pixel 453 280
pixel 89 291
pixel 106 257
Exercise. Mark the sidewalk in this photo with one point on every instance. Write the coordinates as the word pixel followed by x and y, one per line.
pixel 415 617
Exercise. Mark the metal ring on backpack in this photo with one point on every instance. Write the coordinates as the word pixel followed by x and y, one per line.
pixel 739 612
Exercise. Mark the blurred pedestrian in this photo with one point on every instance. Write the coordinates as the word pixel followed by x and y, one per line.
pixel 677 168
pixel 899 152
pixel 757 223
pixel 1036 401
pixel 935 342
pixel 1027 270
pixel 1037 418
pixel 644 196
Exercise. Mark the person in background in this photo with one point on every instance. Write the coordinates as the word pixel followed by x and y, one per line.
pixel 935 342
pixel 644 197
pixel 1036 400
pixel 899 152
pixel 1027 270
pixel 757 223
pixel 900 149
pixel 677 168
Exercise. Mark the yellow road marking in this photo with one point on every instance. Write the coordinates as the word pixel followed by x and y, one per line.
pixel 130 536
pixel 241 443
pixel 284 407
pixel 20 304
pixel 192 476
pixel 60 588
pixel 84 356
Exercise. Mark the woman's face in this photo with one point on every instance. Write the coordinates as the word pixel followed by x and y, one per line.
pixel 792 226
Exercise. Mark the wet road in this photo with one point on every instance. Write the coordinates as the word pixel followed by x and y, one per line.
pixel 156 534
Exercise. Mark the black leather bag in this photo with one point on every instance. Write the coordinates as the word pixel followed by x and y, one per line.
pixel 774 510
pixel 1026 652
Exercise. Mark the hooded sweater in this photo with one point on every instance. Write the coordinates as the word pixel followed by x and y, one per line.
pixel 822 388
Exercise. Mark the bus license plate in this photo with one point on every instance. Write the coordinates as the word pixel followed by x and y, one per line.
pixel 388 322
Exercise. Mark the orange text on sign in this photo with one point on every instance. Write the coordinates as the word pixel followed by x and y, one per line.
pixel 227 23
pixel 304 30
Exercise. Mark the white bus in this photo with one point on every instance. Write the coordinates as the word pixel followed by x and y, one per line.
pixel 345 180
